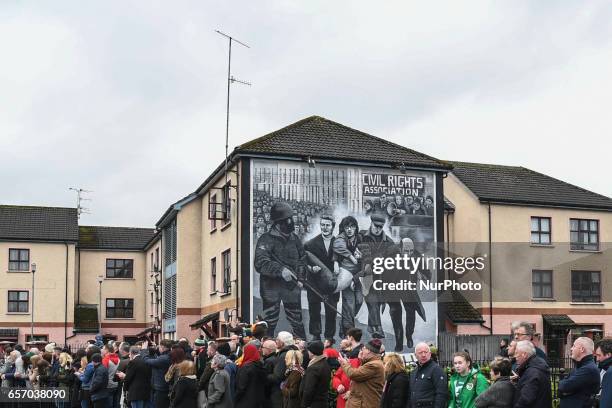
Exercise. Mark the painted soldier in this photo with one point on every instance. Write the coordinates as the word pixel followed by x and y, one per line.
pixel 321 247
pixel 280 260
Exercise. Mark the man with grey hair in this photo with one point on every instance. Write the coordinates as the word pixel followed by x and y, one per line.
pixel 526 331
pixel 533 388
pixel 581 386
pixel 137 379
pixel 428 386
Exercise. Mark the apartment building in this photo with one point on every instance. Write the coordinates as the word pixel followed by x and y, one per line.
pixel 549 250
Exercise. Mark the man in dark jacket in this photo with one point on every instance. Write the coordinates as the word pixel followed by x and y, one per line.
pixel 428 386
pixel 137 380
pixel 99 381
pixel 314 387
pixel 280 260
pixel 268 352
pixel 320 247
pixel 603 352
pixel 124 359
pixel 578 390
pixel 159 366
pixel 533 388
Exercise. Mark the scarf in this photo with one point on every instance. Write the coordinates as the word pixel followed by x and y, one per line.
pixel 316 359
pixel 249 355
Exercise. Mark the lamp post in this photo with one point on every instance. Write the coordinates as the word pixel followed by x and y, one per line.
pixel 32 314
pixel 100 279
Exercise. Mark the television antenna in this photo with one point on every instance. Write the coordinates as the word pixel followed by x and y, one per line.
pixel 80 199
pixel 230 80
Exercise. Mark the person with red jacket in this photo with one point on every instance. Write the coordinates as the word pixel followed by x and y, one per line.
pixel 341 384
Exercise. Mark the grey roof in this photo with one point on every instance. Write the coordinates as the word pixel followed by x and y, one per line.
pixel 460 310
pixel 114 238
pixel 35 223
pixel 519 185
pixel 322 138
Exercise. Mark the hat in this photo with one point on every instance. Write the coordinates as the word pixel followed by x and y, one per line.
pixel 199 342
pixel 280 211
pixel 224 349
pixel 315 347
pixel 374 346
pixel 378 218
pixel 96 358
pixel 331 353
pixel 49 347
pixel 286 338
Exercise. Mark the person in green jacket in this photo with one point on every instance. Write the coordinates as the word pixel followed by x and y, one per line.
pixel 466 383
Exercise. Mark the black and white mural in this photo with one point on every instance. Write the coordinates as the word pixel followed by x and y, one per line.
pixel 315 233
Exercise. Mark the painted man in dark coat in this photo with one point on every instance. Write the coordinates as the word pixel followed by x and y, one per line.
pixel 321 248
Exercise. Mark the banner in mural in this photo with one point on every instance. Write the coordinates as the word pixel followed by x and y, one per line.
pixel 317 230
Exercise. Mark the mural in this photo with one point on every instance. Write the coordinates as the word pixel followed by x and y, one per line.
pixel 316 231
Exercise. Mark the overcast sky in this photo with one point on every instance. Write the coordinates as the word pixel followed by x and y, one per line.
pixel 127 98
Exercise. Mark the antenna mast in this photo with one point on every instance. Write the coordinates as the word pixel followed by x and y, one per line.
pixel 80 198
pixel 230 80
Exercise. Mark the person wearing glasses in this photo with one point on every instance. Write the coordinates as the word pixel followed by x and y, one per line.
pixel 526 331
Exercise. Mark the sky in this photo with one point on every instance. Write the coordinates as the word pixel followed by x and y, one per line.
pixel 127 98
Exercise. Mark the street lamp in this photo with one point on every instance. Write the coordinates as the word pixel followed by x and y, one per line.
pixel 32 324
pixel 100 279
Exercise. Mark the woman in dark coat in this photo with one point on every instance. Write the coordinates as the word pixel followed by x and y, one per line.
pixel 184 394
pixel 397 385
pixel 250 380
pixel 294 373
pixel 501 392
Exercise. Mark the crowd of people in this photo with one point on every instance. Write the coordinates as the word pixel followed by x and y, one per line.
pixel 286 372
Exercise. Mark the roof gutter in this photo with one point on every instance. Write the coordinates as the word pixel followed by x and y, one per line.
pixel 546 205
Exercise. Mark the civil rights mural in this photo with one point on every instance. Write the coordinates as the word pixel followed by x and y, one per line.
pixel 315 233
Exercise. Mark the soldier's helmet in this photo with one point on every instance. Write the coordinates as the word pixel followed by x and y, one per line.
pixel 280 211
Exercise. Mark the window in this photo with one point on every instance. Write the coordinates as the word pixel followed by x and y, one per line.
pixel 586 286
pixel 18 301
pixel 541 284
pixel 37 337
pixel 119 268
pixel 19 259
pixel 119 308
pixel 213 275
pixel 227 272
pixel 584 234
pixel 540 230
pixel 227 204
pixel 212 212
pixel 156 264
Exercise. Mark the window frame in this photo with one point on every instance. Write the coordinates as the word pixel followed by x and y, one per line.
pixel 19 260
pixel 114 307
pixel 213 275
pixel 227 203
pixel 539 231
pixel 590 297
pixel 18 301
pixel 226 257
pixel 578 245
pixel 541 284
pixel 115 268
pixel 212 212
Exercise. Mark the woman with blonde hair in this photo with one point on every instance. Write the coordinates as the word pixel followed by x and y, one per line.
pixel 185 391
pixel 294 373
pixel 396 392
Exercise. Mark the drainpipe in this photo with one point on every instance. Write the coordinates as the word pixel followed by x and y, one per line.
pixel 237 236
pixel 490 270
pixel 66 299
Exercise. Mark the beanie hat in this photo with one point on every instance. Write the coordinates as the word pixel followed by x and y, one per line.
pixel 374 346
pixel 200 342
pixel 224 349
pixel 280 211
pixel 331 353
pixel 286 338
pixel 316 347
